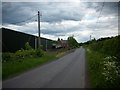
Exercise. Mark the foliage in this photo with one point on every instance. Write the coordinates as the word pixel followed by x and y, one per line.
pixel 40 52
pixel 61 54
pixel 15 67
pixel 27 46
pixel 7 57
pixel 108 46
pixel 104 62
pixel 104 70
pixel 72 42
pixel 41 47
pixel 111 72
pixel 22 54
pixel 94 63
pixel 22 60
pixel 55 42
pixel 80 44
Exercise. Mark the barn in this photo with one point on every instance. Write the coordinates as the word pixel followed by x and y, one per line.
pixel 14 40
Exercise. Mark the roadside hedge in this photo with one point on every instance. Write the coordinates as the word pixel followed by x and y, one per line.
pixel 108 46
pixel 22 54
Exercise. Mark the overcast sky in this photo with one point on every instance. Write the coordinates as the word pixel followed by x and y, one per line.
pixel 63 19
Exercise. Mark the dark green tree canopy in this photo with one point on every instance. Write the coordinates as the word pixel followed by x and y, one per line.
pixel 72 42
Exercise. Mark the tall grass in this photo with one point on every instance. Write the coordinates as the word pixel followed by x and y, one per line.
pixel 104 70
pixel 94 62
pixel 108 46
pixel 25 60
pixel 14 67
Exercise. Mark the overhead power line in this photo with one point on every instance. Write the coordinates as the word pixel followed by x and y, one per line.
pixel 99 14
pixel 25 20
pixel 98 18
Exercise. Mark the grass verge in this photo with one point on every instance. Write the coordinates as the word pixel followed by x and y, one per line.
pixel 61 54
pixel 14 67
pixel 94 61
pixel 103 70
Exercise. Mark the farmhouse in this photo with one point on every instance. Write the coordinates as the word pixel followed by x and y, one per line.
pixel 63 43
pixel 60 44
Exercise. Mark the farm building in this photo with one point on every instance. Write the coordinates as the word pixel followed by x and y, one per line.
pixel 61 44
pixel 14 40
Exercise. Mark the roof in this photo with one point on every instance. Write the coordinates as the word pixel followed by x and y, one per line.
pixel 63 41
pixel 23 33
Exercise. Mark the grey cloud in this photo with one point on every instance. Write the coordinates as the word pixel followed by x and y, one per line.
pixel 15 12
pixel 52 12
pixel 110 8
pixel 55 12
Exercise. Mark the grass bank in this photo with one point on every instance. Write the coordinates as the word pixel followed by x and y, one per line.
pixel 14 67
pixel 61 54
pixel 104 70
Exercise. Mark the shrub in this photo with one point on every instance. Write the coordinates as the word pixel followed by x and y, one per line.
pixel 107 46
pixel 31 53
pixel 111 72
pixel 7 56
pixel 27 46
pixel 39 52
pixel 109 62
pixel 72 42
pixel 21 54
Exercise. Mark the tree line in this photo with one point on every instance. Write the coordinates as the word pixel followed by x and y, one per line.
pixel 108 46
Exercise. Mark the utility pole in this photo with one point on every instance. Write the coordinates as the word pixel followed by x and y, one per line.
pixel 46 44
pixel 90 37
pixel 39 40
pixel 35 43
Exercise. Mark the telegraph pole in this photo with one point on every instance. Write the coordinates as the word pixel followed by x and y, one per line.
pixel 90 37
pixel 46 44
pixel 39 40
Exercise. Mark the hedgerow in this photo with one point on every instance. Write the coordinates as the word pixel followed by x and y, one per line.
pixel 22 54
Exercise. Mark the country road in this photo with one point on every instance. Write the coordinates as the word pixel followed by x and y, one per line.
pixel 66 72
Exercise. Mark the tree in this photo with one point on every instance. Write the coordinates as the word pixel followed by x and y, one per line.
pixel 72 42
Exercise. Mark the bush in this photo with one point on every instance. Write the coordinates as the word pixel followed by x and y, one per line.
pixel 27 46
pixel 40 52
pixel 105 60
pixel 22 54
pixel 104 70
pixel 72 43
pixel 19 54
pixel 111 72
pixel 29 52
pixel 107 46
pixel 7 56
